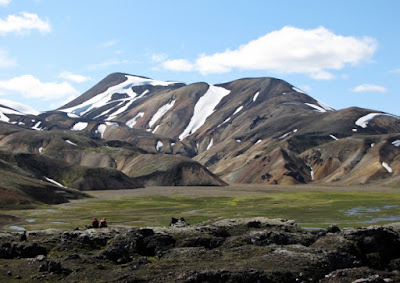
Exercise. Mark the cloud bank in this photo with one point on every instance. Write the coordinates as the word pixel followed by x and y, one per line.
pixel 369 88
pixel 31 87
pixel 289 50
pixel 24 22
pixel 73 77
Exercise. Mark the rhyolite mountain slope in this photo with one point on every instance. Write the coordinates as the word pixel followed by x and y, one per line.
pixel 254 130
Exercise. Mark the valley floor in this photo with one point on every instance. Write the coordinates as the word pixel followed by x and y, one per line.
pixel 315 206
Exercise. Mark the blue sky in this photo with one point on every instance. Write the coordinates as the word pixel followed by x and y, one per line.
pixel 345 53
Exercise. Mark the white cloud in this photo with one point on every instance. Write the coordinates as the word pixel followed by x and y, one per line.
pixel 5 61
pixel 110 43
pixel 73 77
pixel 24 22
pixel 31 87
pixel 178 65
pixel 395 71
pixel 369 88
pixel 159 57
pixel 288 50
pixel 5 2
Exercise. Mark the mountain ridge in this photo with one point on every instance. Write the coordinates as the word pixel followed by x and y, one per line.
pixel 250 130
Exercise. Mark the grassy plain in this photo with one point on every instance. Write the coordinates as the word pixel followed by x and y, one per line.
pixel 311 206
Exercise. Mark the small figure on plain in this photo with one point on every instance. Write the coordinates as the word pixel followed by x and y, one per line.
pixel 103 223
pixel 95 223
pixel 23 237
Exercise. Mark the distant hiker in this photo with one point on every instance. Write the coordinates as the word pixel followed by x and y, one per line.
pixel 103 223
pixel 23 237
pixel 95 223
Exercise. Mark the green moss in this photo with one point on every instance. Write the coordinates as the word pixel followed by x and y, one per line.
pixel 310 209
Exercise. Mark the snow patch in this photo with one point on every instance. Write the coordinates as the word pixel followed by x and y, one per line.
pixel 333 137
pixel 284 135
pixel 79 126
pixel 316 107
pixel 161 112
pixel 238 110
pixel 155 129
pixel 311 171
pixel 396 143
pixel 325 106
pixel 210 144
pixel 159 146
pixel 70 142
pixel 73 115
pixel 4 118
pixel 36 126
pixel 364 120
pixel 101 129
pixel 21 108
pixel 172 144
pixel 354 130
pixel 298 90
pixel 256 96
pixel 104 98
pixel 54 182
pixel 258 141
pixel 238 141
pixel 372 144
pixel 41 149
pixel 386 166
pixel 120 110
pixel 132 122
pixel 112 124
pixel 204 108
pixel 295 131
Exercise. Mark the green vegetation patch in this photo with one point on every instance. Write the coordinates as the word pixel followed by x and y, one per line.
pixel 309 208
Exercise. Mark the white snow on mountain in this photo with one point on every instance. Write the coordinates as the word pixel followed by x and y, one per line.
pixel 256 96
pixel 210 144
pixel 36 126
pixel 120 110
pixel 161 112
pixel 79 126
pixel 72 115
pixel 258 141
pixel 364 120
pixel 104 98
pixel 284 135
pixel 4 118
pixel 311 171
pixel 21 108
pixel 396 143
pixel 325 106
pixel 101 129
pixel 155 129
pixel 386 166
pixel 54 182
pixel 204 108
pixel 238 110
pixel 316 107
pixel 298 90
pixel 132 122
pixel 71 143
pixel 333 137
pixel 159 146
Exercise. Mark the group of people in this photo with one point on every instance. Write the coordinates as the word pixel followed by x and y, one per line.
pixel 95 223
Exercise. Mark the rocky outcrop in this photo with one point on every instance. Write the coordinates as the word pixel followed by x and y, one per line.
pixel 225 250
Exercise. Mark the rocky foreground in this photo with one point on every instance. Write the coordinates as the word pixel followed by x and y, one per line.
pixel 225 250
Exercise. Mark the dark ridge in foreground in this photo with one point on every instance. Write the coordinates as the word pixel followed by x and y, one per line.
pixel 225 250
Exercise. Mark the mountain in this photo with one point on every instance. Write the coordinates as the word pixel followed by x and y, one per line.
pixel 135 131
pixel 254 130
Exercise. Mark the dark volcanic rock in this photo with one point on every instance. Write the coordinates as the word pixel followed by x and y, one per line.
pixel 225 250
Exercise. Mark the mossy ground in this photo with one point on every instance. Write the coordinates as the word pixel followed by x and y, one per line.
pixel 311 208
